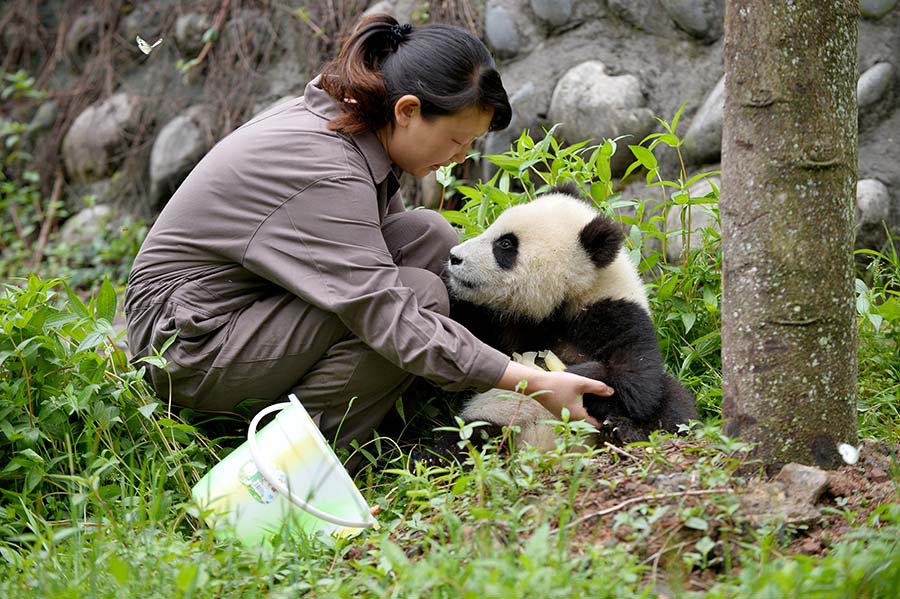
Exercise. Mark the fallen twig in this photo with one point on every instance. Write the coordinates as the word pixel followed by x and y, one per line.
pixel 640 498
pixel 620 451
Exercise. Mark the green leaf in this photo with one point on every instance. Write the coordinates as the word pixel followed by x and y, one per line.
pixel 147 409
pixel 688 319
pixel 120 570
pixel 890 309
pixel 705 545
pixel 644 156
pixel 157 361
pixel 186 576
pixel 696 523
pixel 75 304
pixel 32 456
pixel 677 117
pixel 106 301
pixel 91 340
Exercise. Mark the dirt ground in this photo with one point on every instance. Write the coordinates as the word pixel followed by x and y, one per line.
pixel 709 512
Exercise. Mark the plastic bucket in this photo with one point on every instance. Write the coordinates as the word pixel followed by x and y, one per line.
pixel 284 477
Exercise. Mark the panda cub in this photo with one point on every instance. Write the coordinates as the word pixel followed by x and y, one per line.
pixel 554 274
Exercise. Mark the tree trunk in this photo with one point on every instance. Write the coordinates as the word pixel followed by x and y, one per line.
pixel 788 193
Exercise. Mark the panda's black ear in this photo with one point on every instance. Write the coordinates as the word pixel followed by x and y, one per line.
pixel 602 238
pixel 568 188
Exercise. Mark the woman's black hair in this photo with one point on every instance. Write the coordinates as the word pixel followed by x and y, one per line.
pixel 446 67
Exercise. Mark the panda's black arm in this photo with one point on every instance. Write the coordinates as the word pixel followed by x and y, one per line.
pixel 619 339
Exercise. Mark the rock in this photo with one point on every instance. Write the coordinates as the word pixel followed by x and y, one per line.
pixel 873 202
pixel 500 31
pixel 86 226
pixel 553 12
pixel 875 9
pixel 802 484
pixel 702 19
pixel 674 482
pixel 877 475
pixel 811 546
pixel 645 15
pixel 873 208
pixel 81 39
pixel 247 37
pixel 701 217
pixel 44 117
pixel 764 502
pixel 95 193
pixel 177 149
pixel 703 139
pixel 189 30
pixel 589 104
pixel 90 145
pixel 874 83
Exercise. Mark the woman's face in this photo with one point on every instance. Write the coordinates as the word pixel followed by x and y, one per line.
pixel 419 146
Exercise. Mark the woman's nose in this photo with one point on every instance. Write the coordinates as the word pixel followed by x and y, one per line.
pixel 460 156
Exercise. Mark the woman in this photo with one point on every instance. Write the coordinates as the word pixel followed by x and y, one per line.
pixel 286 262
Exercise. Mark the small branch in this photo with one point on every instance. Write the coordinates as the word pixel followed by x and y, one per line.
pixel 620 451
pixel 217 25
pixel 640 498
pixel 47 223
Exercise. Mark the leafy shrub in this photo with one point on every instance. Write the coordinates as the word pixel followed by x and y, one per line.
pixel 878 305
pixel 76 421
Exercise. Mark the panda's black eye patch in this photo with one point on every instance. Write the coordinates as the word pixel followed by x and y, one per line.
pixel 506 250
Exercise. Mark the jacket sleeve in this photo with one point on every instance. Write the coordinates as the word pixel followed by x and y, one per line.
pixel 325 245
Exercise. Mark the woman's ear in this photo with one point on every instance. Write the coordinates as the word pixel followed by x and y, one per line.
pixel 405 109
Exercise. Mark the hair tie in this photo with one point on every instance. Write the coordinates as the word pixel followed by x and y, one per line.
pixel 398 34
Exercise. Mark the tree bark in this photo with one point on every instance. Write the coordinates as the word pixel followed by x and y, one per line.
pixel 788 193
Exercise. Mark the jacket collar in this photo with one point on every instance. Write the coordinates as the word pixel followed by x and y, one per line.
pixel 323 105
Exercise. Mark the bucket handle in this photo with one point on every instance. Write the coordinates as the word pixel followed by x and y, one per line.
pixel 267 470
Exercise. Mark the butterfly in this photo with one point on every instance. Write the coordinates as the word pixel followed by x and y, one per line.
pixel 145 47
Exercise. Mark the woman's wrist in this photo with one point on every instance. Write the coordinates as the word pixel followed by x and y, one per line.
pixel 515 373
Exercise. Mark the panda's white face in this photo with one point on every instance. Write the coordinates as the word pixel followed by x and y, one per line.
pixel 531 260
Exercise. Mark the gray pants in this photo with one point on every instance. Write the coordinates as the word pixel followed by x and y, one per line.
pixel 282 344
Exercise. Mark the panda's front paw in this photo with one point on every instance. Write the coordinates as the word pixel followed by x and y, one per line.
pixel 624 430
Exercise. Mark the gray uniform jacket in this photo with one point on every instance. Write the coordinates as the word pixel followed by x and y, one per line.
pixel 283 203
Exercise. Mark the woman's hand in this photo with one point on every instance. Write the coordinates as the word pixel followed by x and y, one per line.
pixel 559 389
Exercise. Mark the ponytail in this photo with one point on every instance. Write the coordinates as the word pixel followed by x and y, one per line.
pixel 446 67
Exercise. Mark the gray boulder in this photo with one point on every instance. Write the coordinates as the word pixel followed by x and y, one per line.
pixel 92 143
pixel 876 92
pixel 81 38
pixel 703 19
pixel 874 83
pixel 703 139
pixel 875 9
pixel 873 210
pixel 82 229
pixel 508 29
pixel 644 15
pixel 189 30
pixel 589 104
pixel 554 12
pixel 177 149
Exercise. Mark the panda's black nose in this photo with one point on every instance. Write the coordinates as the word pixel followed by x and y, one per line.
pixel 455 260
